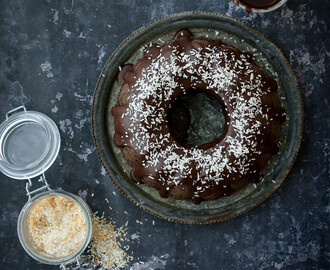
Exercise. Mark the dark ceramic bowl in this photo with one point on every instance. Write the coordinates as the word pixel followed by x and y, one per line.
pixel 260 10
pixel 231 31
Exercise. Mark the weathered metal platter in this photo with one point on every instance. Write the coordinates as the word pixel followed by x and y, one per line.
pixel 231 31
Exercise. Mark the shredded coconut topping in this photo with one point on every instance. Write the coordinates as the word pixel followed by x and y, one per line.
pixel 221 70
pixel 57 225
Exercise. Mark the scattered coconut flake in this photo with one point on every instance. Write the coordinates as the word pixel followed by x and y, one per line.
pixel 105 250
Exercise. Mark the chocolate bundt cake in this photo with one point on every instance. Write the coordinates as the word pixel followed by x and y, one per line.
pixel 214 169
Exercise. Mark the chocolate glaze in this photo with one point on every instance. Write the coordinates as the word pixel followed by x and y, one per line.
pixel 120 75
pixel 214 169
pixel 179 120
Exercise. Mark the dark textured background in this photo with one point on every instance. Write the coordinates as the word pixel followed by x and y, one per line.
pixel 51 54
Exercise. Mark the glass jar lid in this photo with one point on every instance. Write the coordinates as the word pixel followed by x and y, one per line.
pixel 29 143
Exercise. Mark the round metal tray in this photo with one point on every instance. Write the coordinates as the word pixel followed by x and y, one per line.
pixel 231 31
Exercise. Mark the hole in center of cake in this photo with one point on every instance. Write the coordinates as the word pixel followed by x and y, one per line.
pixel 196 118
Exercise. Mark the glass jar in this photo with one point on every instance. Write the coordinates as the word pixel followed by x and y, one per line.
pixel 29 144
pixel 27 242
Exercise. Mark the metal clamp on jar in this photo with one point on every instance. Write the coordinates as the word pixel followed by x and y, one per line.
pixel 54 226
